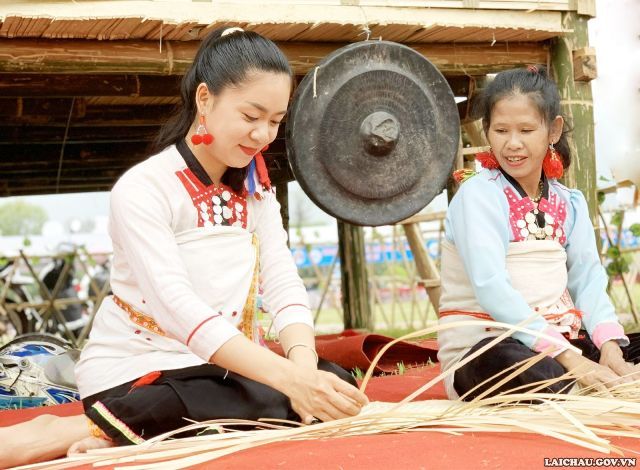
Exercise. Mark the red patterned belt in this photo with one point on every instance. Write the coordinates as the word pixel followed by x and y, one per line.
pixel 139 318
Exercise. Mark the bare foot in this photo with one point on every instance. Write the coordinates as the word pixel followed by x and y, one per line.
pixel 45 437
pixel 88 443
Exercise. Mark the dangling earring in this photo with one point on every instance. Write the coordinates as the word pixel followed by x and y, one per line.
pixel 258 166
pixel 201 136
pixel 552 164
pixel 488 160
pixel 261 168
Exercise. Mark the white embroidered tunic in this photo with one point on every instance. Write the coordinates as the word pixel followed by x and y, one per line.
pixel 161 214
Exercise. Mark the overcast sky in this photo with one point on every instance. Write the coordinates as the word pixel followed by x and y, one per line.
pixel 615 33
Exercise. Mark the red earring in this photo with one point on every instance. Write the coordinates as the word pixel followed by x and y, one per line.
pixel 488 160
pixel 552 164
pixel 201 136
pixel 261 169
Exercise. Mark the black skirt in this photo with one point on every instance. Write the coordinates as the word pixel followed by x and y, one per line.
pixel 486 369
pixel 131 413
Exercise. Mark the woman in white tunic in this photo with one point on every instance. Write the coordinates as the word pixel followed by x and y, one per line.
pixel 520 245
pixel 196 232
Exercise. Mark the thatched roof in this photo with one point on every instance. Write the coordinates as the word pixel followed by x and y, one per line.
pixel 73 71
pixel 310 20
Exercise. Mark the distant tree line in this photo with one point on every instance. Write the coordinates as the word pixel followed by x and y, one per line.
pixel 21 218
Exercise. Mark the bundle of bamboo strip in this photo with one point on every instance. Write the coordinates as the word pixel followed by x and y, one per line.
pixel 586 418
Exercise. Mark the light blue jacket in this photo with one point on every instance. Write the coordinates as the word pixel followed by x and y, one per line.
pixel 478 225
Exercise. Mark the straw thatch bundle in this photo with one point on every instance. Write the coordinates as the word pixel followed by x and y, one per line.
pixel 583 417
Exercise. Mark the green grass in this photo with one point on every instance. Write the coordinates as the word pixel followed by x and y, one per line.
pixel 357 373
pixel 330 318
pixel 621 303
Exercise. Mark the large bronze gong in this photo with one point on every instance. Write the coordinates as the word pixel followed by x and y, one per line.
pixel 372 133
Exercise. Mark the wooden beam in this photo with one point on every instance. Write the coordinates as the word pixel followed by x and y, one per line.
pixel 27 168
pixel 584 64
pixel 61 107
pixel 76 135
pixel 108 172
pixel 585 7
pixel 145 57
pixel 26 152
pixel 68 85
pixel 54 112
pixel 133 57
pixel 480 59
pixel 77 154
pixel 47 186
pixel 15 85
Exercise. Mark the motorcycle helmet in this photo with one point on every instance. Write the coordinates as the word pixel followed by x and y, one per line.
pixel 37 370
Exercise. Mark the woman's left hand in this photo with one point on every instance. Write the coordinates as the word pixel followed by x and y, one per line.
pixel 611 357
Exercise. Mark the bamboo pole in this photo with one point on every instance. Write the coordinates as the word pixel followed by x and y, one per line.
pixel 356 303
pixel 577 107
pixel 424 264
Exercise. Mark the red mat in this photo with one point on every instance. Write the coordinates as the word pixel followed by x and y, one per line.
pixel 416 450
pixel 351 349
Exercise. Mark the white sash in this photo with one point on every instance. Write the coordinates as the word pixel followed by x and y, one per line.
pixel 537 269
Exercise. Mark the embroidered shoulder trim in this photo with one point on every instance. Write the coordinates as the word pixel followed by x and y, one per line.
pixel 463 174
pixel 214 205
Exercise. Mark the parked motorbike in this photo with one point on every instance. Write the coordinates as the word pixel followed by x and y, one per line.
pixel 37 370
pixel 54 273
pixel 16 321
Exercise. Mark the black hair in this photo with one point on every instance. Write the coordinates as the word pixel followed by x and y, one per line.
pixel 221 62
pixel 533 82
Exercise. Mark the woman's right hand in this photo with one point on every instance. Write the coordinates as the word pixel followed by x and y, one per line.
pixel 313 393
pixel 590 374
pixel 322 395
